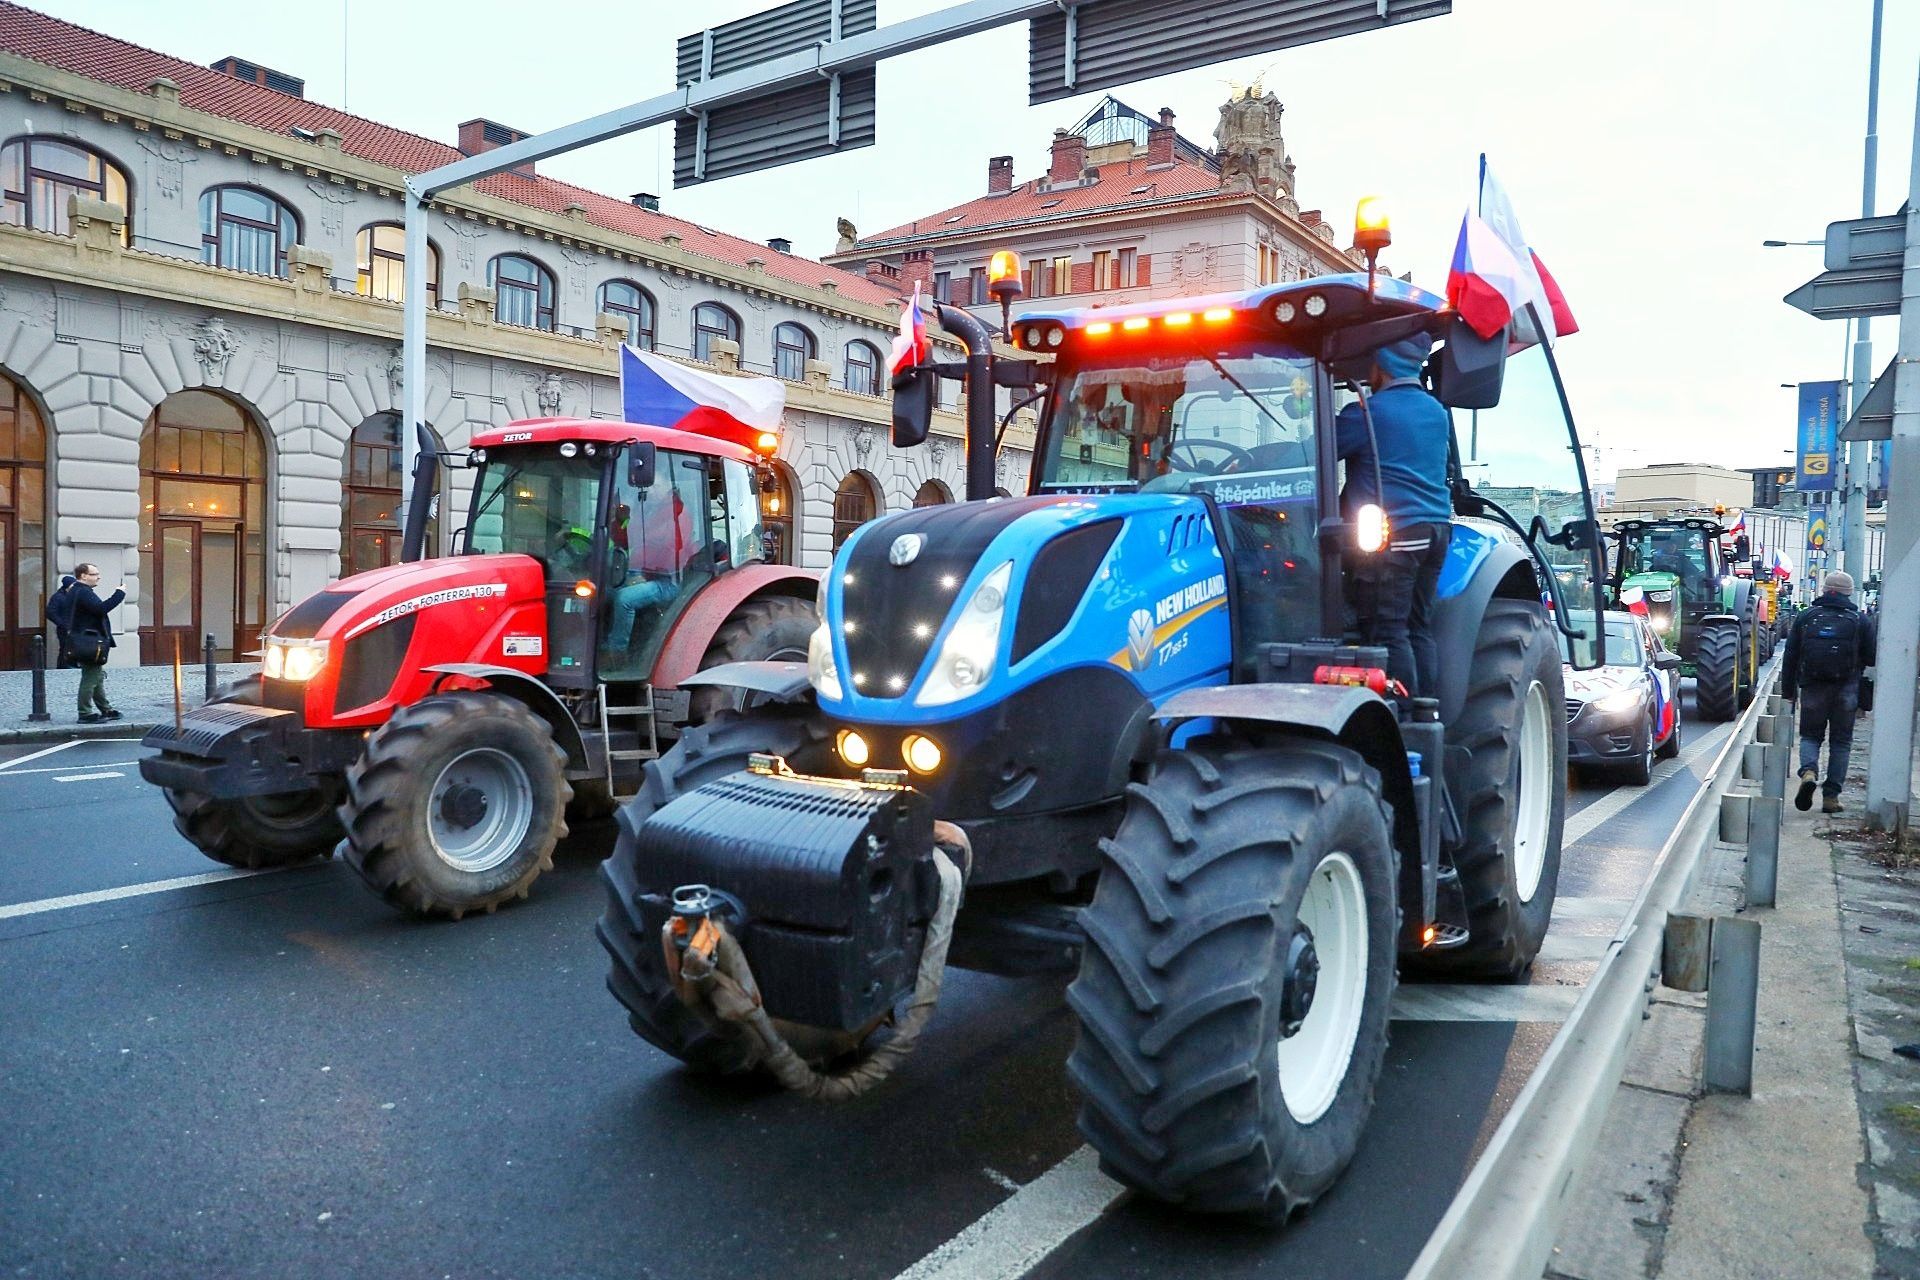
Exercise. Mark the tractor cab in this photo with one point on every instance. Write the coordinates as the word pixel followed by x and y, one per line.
pixel 628 525
pixel 1677 563
pixel 1676 572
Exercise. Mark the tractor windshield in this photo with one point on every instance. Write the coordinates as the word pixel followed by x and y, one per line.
pixel 533 501
pixel 1678 550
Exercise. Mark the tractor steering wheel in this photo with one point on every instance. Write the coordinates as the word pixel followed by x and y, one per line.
pixel 1236 456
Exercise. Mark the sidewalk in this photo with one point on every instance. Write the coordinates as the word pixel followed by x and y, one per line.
pixel 1817 1174
pixel 144 696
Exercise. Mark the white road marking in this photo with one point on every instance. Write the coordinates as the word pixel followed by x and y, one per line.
pixel 44 751
pixel 1579 826
pixel 1015 1235
pixel 1468 1003
pixel 1591 908
pixel 58 768
pixel 13 910
pixel 88 777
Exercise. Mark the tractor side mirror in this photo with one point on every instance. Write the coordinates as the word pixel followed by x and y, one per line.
pixel 643 463
pixel 1577 535
pixel 1471 368
pixel 915 392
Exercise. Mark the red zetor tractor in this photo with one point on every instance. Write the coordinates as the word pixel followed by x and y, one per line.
pixel 439 719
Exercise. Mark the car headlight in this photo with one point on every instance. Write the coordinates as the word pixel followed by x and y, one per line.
pixel 967 656
pixel 295 660
pixel 822 674
pixel 1618 700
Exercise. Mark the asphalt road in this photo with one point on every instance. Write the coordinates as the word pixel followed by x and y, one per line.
pixel 274 1075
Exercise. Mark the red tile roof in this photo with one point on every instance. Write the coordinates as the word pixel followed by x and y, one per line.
pixel 1121 184
pixel 76 49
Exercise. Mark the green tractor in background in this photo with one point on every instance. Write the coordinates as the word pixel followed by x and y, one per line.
pixel 1677 573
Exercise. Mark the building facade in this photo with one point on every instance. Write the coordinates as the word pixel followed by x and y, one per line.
pixel 200 279
pixel 1128 211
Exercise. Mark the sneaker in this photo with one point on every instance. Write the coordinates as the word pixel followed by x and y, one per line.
pixel 1831 804
pixel 111 713
pixel 1803 799
pixel 91 717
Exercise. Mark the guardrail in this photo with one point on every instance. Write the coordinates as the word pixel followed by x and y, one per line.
pixel 1505 1218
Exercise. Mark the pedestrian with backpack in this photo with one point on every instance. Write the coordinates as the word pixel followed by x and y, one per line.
pixel 1825 668
pixel 60 614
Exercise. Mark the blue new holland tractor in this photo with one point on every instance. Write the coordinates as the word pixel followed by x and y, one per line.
pixel 1118 728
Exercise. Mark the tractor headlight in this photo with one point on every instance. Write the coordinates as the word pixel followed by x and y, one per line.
pixel 967 656
pixel 1617 701
pixel 1662 622
pixel 821 672
pixel 296 660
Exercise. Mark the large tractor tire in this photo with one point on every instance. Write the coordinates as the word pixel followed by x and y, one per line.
pixel 1233 994
pixel 1513 795
pixel 258 832
pixel 1717 676
pixel 772 628
pixel 637 972
pixel 456 804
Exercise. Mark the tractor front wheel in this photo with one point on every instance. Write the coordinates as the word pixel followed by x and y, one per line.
pixel 1233 993
pixel 456 804
pixel 1513 729
pixel 770 629
pixel 637 970
pixel 258 832
pixel 1716 664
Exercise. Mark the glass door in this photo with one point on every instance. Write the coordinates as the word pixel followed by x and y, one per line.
pixel 15 636
pixel 218 597
pixel 176 591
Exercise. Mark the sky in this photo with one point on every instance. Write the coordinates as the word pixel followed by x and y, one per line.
pixel 1649 146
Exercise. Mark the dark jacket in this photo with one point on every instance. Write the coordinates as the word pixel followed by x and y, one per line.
pixel 1864 644
pixel 90 612
pixel 1412 430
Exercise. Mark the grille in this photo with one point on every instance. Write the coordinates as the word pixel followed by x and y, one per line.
pixel 1573 708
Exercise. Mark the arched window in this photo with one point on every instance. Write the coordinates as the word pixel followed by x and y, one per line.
pixel 710 321
pixel 792 347
pixel 863 368
pixel 369 524
pixel 523 291
pixel 38 175
pixel 203 517
pixel 932 494
pixel 246 230
pixel 382 253
pixel 778 506
pixel 855 502
pixel 23 523
pixel 633 304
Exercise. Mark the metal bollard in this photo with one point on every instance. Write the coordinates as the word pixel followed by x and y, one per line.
pixel 1734 818
pixel 1733 1002
pixel 1763 727
pixel 1763 849
pixel 1773 776
pixel 1752 760
pixel 1776 705
pixel 213 676
pixel 1685 945
pixel 39 712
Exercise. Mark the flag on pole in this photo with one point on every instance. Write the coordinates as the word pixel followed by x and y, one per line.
pixel 911 347
pixel 1537 283
pixel 1782 566
pixel 1634 600
pixel 1483 282
pixel 658 392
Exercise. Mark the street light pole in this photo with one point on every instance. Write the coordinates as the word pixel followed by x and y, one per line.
pixel 1859 455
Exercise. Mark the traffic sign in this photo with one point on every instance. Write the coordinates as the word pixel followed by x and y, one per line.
pixel 1867 242
pixel 1873 418
pixel 1089 45
pixel 1844 295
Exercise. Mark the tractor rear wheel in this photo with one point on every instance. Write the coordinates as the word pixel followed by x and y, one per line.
pixel 258 832
pixel 456 804
pixel 1234 990
pixel 1716 665
pixel 637 971
pixel 772 628
pixel 1514 730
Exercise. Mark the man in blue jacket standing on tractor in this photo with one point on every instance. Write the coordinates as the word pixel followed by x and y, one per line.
pixel 1392 589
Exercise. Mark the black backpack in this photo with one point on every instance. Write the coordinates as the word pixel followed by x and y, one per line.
pixel 1830 645
pixel 60 608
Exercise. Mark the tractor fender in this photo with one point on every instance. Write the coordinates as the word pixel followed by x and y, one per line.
pixel 702 619
pixel 527 689
pixel 1711 618
pixel 1506 572
pixel 781 681
pixel 1742 597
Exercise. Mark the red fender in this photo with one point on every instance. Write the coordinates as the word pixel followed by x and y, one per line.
pixel 695 628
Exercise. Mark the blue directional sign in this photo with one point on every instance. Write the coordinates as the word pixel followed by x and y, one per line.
pixel 1817 435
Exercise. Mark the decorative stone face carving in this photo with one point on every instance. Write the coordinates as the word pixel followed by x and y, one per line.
pixel 213 346
pixel 547 393
pixel 863 440
pixel 937 452
pixel 397 371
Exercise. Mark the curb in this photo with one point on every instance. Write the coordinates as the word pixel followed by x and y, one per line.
pixel 55 731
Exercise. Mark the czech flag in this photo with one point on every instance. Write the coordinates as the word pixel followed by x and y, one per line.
pixel 1782 567
pixel 1536 282
pixel 1738 527
pixel 1484 281
pixel 911 348
pixel 1634 600
pixel 658 392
